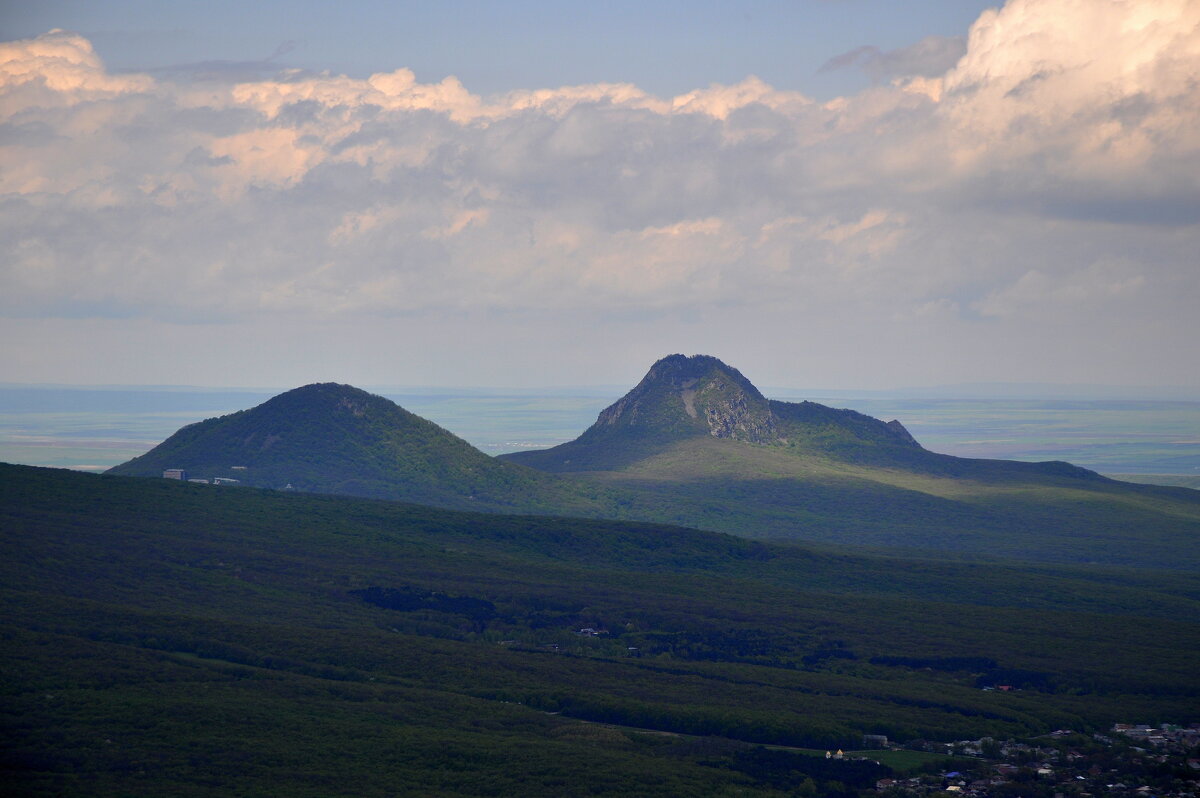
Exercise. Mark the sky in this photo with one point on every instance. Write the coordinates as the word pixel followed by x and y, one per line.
pixel 823 193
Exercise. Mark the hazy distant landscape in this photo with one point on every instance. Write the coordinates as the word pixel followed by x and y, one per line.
pixel 1141 440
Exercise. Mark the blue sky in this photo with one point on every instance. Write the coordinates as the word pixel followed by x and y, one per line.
pixel 842 194
pixel 665 47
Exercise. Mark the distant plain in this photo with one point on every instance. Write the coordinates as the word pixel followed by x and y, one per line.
pixel 1143 440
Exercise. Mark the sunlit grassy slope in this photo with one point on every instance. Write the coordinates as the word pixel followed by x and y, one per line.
pixel 957 507
pixel 166 638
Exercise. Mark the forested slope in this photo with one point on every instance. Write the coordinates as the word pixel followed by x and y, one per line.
pixel 173 638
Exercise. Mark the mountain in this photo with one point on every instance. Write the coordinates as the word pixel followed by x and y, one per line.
pixel 697 397
pixel 695 443
pixel 161 638
pixel 330 438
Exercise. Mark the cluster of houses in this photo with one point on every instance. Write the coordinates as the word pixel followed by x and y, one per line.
pixel 181 474
pixel 1134 760
pixel 1168 735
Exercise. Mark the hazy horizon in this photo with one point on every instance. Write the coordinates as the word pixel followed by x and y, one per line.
pixel 965 390
pixel 94 429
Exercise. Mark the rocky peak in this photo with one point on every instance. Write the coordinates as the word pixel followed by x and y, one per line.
pixel 693 395
pixel 680 369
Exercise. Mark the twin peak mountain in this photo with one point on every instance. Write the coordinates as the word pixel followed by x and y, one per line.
pixel 693 444
pixel 331 438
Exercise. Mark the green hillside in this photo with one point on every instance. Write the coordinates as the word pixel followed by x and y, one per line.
pixel 167 638
pixel 695 443
pixel 329 438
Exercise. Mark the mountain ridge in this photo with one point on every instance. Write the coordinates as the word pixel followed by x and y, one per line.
pixel 688 396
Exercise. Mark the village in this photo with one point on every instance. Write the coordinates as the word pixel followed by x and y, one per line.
pixel 1130 760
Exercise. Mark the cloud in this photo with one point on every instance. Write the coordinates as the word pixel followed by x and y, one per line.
pixel 1086 290
pixel 979 183
pixel 930 57
pixel 58 69
pixel 1093 93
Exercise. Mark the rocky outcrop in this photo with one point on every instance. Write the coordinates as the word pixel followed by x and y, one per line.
pixel 732 413
pixel 692 395
pixel 902 434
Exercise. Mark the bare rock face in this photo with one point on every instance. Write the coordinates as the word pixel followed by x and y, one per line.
pixel 623 411
pixel 732 413
pixel 694 395
pixel 901 433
